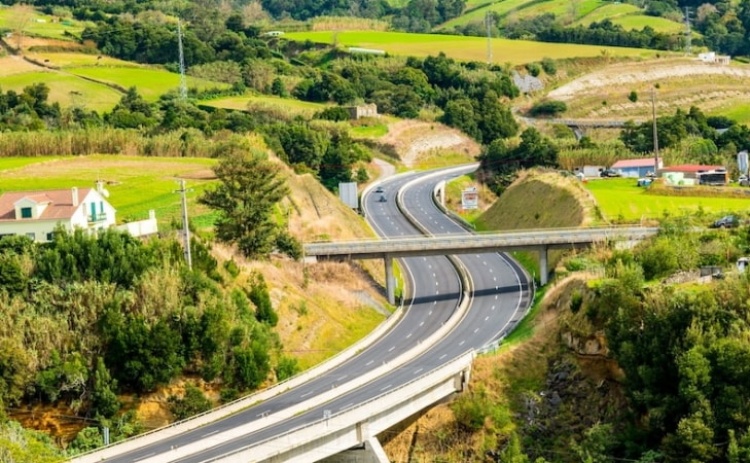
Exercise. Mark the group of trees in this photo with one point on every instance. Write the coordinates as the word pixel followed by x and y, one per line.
pixel 708 139
pixel 88 318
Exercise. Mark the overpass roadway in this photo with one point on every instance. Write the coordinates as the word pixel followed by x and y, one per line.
pixel 426 310
pixel 461 243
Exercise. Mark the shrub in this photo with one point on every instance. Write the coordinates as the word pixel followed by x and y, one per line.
pixel 633 96
pixel 548 108
pixel 192 403
pixel 549 66
pixel 534 69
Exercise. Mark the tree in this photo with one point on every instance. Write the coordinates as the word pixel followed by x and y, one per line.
pixel 259 296
pixel 250 187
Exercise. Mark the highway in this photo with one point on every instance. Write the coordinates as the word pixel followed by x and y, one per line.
pixel 422 317
pixel 500 299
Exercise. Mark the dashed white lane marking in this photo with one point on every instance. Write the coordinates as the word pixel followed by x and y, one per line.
pixel 342 377
pixel 210 433
pixel 145 456
pixel 486 318
pixel 443 356
pixel 476 329
pixel 369 363
pixel 346 406
pixel 408 336
pixel 386 387
pixel 392 347
pixel 461 343
pixel 421 324
pixel 418 370
pixel 430 313
pixel 305 394
pixel 493 307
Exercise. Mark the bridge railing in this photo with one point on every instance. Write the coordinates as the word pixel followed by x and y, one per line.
pixel 437 374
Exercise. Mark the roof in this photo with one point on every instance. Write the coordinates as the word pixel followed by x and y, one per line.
pixel 693 168
pixel 60 203
pixel 639 162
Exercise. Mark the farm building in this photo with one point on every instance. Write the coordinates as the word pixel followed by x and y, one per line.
pixel 636 168
pixel 36 214
pixel 365 110
pixel 691 170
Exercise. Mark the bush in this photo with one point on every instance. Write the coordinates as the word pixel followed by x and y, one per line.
pixel 633 96
pixel 548 108
pixel 334 113
pixel 191 404
pixel 534 69
pixel 549 66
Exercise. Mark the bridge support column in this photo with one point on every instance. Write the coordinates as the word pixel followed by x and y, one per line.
pixel 543 270
pixel 370 452
pixel 390 280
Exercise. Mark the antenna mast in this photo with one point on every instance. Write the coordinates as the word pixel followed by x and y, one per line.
pixel 688 33
pixel 488 24
pixel 183 79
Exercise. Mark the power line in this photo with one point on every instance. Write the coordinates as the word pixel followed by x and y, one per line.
pixel 185 227
pixel 688 32
pixel 488 25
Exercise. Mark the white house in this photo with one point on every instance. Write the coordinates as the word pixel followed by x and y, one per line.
pixel 36 213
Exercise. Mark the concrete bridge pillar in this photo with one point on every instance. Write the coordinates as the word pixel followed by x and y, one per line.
pixel 390 280
pixel 370 452
pixel 543 270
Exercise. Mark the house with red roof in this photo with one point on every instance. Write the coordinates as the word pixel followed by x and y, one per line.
pixel 36 214
pixel 637 168
pixel 692 170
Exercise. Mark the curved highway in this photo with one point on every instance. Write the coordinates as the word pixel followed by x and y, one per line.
pixel 430 308
pixel 500 298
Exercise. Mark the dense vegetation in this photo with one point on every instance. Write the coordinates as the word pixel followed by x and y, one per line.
pixel 89 318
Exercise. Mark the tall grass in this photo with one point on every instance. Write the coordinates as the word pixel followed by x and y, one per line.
pixel 340 23
pixel 118 141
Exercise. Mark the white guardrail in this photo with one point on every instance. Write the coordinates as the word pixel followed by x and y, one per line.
pixel 350 418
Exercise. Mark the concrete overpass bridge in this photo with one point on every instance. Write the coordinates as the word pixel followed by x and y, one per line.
pixel 527 240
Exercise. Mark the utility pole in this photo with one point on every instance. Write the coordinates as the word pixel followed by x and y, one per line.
pixel 488 25
pixel 183 79
pixel 656 134
pixel 185 226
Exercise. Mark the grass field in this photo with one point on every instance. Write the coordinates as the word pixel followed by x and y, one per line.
pixel 737 110
pixel 136 184
pixel 620 200
pixel 303 108
pixel 465 48
pixel 33 22
pixel 71 60
pixel 151 83
pixel 65 89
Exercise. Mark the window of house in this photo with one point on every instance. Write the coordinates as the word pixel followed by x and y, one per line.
pixel 25 212
pixel 50 236
pixel 31 236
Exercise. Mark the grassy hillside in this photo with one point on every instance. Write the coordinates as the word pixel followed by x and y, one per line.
pixel 464 48
pixel 539 200
pixel 569 12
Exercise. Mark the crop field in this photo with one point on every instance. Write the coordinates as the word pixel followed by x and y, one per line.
pixel 67 60
pixel 136 184
pixel 35 23
pixel 302 108
pixel 65 89
pixel 151 83
pixel 736 110
pixel 620 200
pixel 466 48
pixel 501 8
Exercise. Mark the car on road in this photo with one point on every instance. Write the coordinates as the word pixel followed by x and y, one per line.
pixel 610 173
pixel 382 199
pixel 728 221
pixel 379 190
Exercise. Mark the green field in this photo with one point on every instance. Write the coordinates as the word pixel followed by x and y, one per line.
pixel 620 200
pixel 297 107
pixel 136 184
pixel 582 13
pixel 65 89
pixel 71 59
pixel 38 24
pixel 465 48
pixel 737 110
pixel 151 83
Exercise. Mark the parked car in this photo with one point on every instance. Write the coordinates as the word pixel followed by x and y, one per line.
pixel 728 221
pixel 743 180
pixel 610 173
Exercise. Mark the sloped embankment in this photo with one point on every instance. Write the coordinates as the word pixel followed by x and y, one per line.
pixel 541 199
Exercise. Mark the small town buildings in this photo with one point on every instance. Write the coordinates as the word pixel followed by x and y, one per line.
pixel 636 168
pixel 691 170
pixel 36 214
pixel 711 57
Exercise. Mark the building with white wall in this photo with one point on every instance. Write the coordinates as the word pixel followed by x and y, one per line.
pixel 36 214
